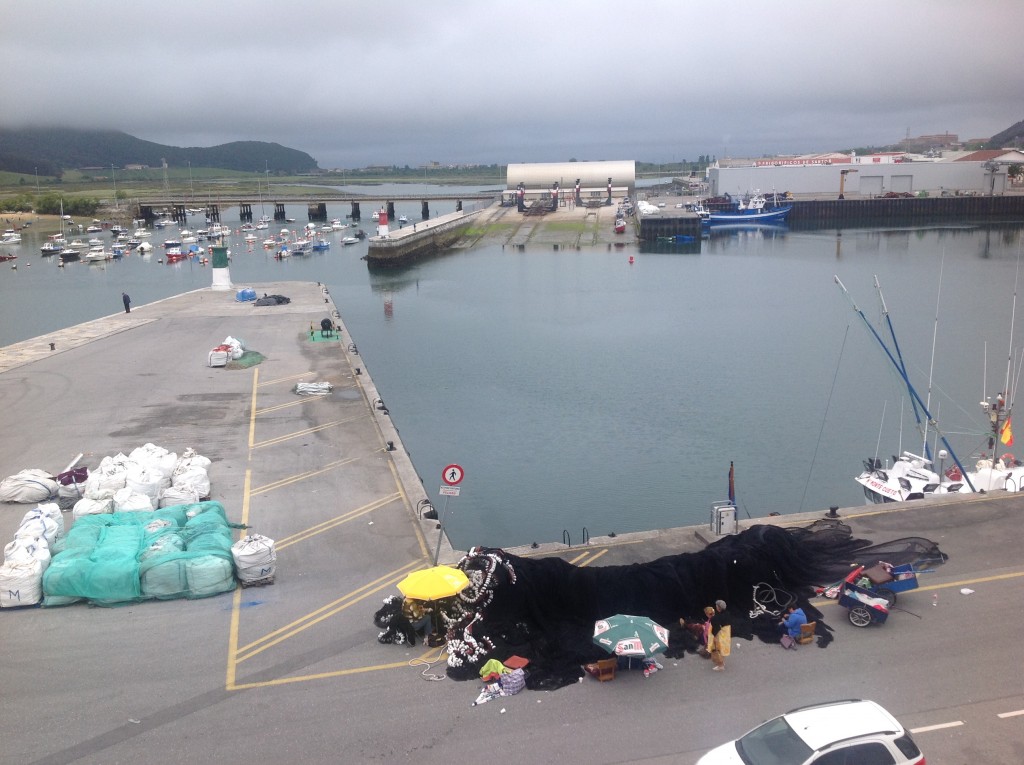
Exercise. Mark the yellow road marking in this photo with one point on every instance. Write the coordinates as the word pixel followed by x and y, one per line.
pixel 408 505
pixel 325 675
pixel 948 585
pixel 329 524
pixel 297 402
pixel 596 556
pixel 236 599
pixel 305 622
pixel 252 409
pixel 288 379
pixel 302 476
pixel 297 434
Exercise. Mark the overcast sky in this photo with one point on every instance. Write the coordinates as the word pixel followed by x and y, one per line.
pixel 497 81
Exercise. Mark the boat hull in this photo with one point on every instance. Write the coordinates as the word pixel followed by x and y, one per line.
pixel 777 215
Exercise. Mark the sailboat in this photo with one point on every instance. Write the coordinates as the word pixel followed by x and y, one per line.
pixel 264 221
pixel 915 476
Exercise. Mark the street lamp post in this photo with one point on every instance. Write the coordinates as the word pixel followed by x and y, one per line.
pixel 113 175
pixel 37 180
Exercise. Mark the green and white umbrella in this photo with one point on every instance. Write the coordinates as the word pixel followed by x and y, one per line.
pixel 625 635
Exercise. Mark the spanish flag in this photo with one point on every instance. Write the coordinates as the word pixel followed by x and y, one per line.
pixel 1006 434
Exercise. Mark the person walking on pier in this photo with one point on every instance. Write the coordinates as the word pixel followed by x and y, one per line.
pixel 127 302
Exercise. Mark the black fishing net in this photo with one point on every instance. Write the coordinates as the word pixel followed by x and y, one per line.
pixel 544 609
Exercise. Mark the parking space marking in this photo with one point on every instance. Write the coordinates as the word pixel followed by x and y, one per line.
pixel 305 432
pixel 1016 713
pixel 297 402
pixel 308 474
pixel 330 523
pixel 324 612
pixel 289 378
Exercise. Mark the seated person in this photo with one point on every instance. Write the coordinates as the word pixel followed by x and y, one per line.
pixel 792 621
pixel 418 614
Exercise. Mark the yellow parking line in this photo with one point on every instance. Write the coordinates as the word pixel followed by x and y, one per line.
pixel 252 409
pixel 302 476
pixel 289 378
pixel 329 524
pixel 324 612
pixel 596 556
pixel 424 549
pixel 286 404
pixel 298 433
pixel 326 675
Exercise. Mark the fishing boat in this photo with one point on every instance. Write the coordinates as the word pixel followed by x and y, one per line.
pixel 321 244
pixel 752 209
pixel 172 248
pixel 53 246
pixel 916 476
pixel 97 255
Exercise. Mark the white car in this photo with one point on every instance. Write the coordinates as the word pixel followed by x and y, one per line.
pixel 850 732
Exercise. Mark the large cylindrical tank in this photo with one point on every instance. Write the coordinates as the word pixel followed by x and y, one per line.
pixel 592 175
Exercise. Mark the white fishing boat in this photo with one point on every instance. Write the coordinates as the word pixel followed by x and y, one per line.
pixel 908 475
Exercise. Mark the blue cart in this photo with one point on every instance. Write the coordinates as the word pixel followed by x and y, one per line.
pixel 869 593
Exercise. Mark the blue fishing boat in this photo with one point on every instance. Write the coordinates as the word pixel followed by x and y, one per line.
pixel 754 209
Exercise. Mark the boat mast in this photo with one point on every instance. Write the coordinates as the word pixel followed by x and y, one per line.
pixel 901 366
pixel 935 332
pixel 906 380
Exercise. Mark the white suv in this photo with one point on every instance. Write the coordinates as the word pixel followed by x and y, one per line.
pixel 850 732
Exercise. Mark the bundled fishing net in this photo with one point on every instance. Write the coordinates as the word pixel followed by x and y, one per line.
pixel 545 608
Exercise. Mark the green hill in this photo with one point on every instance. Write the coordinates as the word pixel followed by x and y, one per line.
pixel 52 150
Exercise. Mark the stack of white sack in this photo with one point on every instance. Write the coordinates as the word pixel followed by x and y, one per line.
pixel 255 560
pixel 190 481
pixel 236 346
pixel 28 555
pixel 107 478
pixel 30 485
pixel 149 471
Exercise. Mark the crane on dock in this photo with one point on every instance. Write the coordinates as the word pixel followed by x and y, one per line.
pixel 842 181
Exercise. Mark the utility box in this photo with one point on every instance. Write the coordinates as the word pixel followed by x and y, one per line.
pixel 723 519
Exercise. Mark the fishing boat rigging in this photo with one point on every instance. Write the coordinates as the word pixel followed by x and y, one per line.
pixel 913 476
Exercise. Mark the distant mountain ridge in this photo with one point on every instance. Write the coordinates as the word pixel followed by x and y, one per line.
pixel 50 150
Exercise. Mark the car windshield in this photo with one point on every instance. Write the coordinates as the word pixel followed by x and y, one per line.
pixel 774 743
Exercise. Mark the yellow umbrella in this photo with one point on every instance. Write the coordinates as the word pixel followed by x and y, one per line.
pixel 433 583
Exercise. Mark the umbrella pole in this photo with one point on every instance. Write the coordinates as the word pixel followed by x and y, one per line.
pixel 440 533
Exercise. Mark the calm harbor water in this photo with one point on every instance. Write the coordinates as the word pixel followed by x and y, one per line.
pixel 584 394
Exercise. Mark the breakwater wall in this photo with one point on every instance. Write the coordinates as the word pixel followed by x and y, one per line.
pixel 408 244
pixel 815 212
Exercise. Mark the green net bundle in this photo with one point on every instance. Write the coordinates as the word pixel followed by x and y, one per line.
pixel 176 552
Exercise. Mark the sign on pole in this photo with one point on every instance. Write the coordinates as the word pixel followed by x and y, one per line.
pixel 453 474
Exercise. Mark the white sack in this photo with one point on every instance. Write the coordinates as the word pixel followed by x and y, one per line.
pixel 189 457
pixel 28 549
pixel 21 583
pixel 178 495
pixel 36 524
pixel 255 557
pixel 88 506
pixel 154 457
pixel 52 510
pixel 30 485
pixel 128 501
pixel 193 478
pixel 107 478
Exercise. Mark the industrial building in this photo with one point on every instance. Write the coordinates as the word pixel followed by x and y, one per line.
pixel 873 175
pixel 595 179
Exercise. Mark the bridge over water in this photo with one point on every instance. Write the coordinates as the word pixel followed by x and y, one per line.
pixel 150 208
